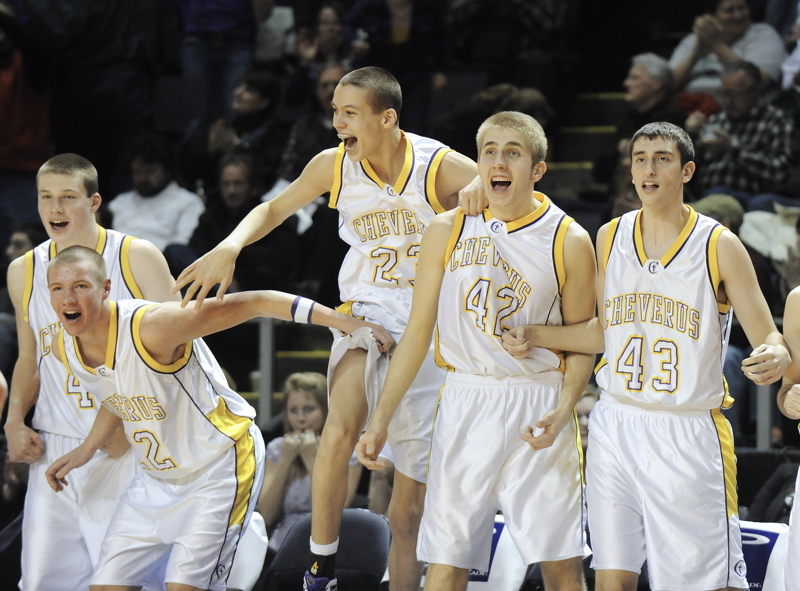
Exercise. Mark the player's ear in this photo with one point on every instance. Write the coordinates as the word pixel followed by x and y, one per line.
pixel 390 118
pixel 688 171
pixel 538 171
pixel 106 288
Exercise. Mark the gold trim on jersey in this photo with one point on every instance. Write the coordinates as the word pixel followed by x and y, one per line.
pixel 713 266
pixel 579 445
pixel 173 367
pixel 430 179
pixel 229 424
pixel 336 187
pixel 558 251
pixel 245 479
pixel 531 218
pixel 60 341
pixel 125 267
pixel 728 460
pixel 30 263
pixel 437 356
pixel 674 249
pixel 111 346
pixel 611 234
pixel 405 173
pixel 455 234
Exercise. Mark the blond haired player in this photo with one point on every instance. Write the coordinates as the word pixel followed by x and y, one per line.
pixel 387 185
pixel 789 404
pixel 661 474
pixel 200 454
pixel 521 261
pixel 68 200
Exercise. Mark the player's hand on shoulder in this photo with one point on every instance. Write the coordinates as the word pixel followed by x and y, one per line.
pixel 766 364
pixel 215 267
pixel 472 198
pixel 791 403
pixel 516 342
pixel 369 447
pixel 24 444
pixel 58 470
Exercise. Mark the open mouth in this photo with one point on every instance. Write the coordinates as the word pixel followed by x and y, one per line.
pixel 72 316
pixel 500 183
pixel 650 185
pixel 58 225
pixel 350 141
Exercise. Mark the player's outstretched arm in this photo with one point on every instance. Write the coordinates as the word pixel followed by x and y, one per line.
pixel 105 425
pixel 770 356
pixel 216 267
pixel 577 306
pixel 165 328
pixel 24 444
pixel 789 394
pixel 416 340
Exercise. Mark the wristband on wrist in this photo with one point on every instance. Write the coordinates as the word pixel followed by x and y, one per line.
pixel 302 309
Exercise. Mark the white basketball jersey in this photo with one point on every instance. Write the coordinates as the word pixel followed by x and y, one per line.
pixel 178 417
pixel 499 275
pixel 63 406
pixel 383 224
pixel 665 332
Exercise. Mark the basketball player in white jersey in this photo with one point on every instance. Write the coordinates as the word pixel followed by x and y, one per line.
pixel 789 404
pixel 521 261
pixel 661 474
pixel 61 535
pixel 387 186
pixel 200 454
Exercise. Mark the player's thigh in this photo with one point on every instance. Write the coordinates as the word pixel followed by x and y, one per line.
pixel 347 404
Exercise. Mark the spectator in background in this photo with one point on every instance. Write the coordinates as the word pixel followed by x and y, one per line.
pixel 216 50
pixel 744 149
pixel 774 500
pixel 516 41
pixel 24 121
pixel 269 263
pixel 720 37
pixel 407 38
pixel 157 209
pixel 103 75
pixel 253 130
pixel 25 236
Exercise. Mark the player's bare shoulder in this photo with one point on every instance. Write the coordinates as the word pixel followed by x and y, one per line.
pixel 15 277
pixel 455 172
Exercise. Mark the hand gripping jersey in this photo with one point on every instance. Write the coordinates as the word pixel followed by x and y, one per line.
pixel 178 417
pixel 63 406
pixel 383 225
pixel 665 332
pixel 498 276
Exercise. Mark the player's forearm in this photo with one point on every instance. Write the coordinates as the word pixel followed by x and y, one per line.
pixel 576 375
pixel 256 224
pixel 584 337
pixel 24 389
pixel 104 426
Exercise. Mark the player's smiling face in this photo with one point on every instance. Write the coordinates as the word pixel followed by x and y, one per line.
pixel 657 170
pixel 358 126
pixel 77 296
pixel 506 168
pixel 64 207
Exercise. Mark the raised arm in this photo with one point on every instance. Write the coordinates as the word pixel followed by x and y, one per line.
pixel 216 267
pixel 770 356
pixel 789 394
pixel 24 444
pixel 416 340
pixel 167 327
pixel 577 306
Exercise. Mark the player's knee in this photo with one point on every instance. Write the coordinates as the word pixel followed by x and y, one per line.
pixel 404 519
pixel 339 435
pixel 563 575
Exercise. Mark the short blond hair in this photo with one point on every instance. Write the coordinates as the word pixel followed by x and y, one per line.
pixel 72 165
pixel 81 254
pixel 525 124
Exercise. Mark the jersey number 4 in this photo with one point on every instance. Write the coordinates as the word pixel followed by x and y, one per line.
pixel 477 302
pixel 631 363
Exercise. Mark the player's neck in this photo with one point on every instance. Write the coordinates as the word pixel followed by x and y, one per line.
pixel 390 157
pixel 661 226
pixel 515 208
pixel 86 237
